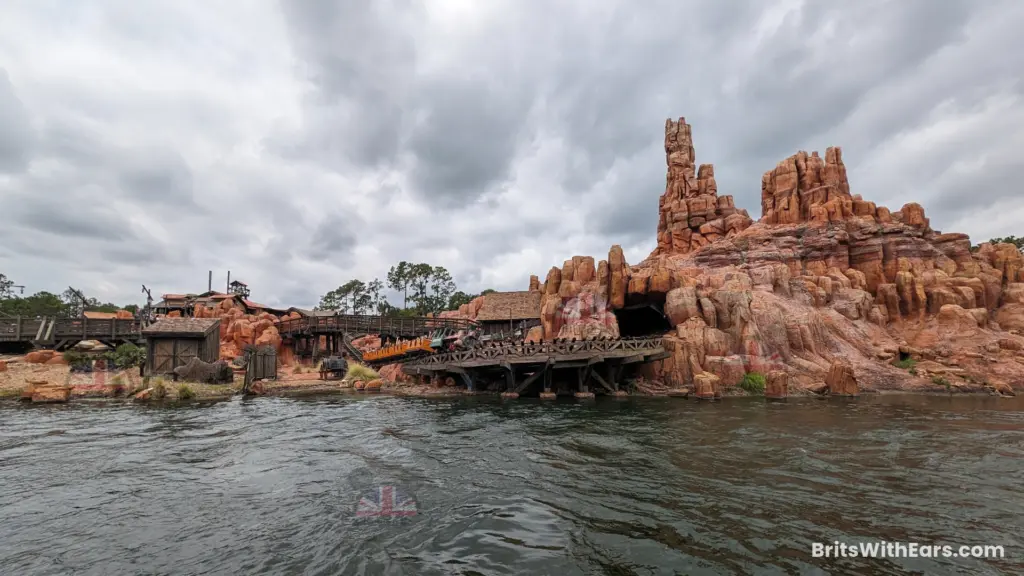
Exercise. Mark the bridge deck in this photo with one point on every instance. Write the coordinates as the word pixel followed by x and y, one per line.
pixel 536 360
pixel 58 332
pixel 401 327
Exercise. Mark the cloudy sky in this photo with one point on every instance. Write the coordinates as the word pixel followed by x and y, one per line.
pixel 302 144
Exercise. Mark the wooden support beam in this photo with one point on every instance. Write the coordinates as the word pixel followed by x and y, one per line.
pixel 603 382
pixel 633 359
pixel 531 379
pixel 658 356
pixel 510 379
pixel 467 379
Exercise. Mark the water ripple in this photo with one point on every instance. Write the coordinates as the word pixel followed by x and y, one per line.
pixel 269 486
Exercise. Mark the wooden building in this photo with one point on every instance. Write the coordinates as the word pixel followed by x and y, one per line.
pixel 172 342
pixel 509 313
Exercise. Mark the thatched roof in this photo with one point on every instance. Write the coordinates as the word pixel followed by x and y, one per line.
pixel 187 327
pixel 509 306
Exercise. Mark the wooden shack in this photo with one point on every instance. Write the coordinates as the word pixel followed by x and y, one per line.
pixel 509 312
pixel 172 342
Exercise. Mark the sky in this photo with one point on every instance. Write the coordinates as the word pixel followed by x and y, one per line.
pixel 303 144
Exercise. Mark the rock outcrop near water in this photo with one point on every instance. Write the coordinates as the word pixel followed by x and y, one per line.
pixel 823 276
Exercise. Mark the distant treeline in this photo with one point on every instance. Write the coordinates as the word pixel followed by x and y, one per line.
pixel 424 289
pixel 68 304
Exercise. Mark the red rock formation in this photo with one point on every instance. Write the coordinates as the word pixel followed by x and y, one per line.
pixel 824 275
pixel 692 215
pixel 840 379
pixel 776 384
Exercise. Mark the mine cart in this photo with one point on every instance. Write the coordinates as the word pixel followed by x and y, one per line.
pixel 335 366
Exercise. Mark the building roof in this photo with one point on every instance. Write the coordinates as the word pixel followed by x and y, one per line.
pixel 99 315
pixel 173 296
pixel 169 327
pixel 510 306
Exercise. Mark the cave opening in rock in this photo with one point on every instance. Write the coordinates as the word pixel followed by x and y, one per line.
pixel 904 356
pixel 642 320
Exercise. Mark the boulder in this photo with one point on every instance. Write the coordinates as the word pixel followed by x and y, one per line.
pixel 841 380
pixel 706 386
pixel 681 305
pixel 45 392
pixel 776 384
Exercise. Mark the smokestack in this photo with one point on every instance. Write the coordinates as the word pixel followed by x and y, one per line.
pixel 209 282
pixel 227 287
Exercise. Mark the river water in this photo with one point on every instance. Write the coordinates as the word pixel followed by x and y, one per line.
pixel 618 487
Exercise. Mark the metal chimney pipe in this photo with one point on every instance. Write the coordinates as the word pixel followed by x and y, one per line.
pixel 227 287
pixel 209 282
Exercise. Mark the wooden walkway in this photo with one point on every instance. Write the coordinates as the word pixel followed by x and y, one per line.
pixel 356 325
pixel 61 333
pixel 521 364
pixel 338 331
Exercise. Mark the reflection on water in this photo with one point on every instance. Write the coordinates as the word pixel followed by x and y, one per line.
pixel 645 486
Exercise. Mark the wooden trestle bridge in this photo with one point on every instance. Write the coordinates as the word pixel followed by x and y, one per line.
pixel 522 364
pixel 62 333
pixel 338 331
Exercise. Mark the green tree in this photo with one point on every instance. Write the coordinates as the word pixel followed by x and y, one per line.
pixel 458 298
pixel 488 291
pixel 95 306
pixel 6 288
pixel 39 304
pixel 398 280
pixel 442 286
pixel 332 300
pixel 359 299
pixel 1018 242
pixel 133 308
pixel 419 281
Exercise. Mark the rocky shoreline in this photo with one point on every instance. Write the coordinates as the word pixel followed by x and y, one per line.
pixel 120 387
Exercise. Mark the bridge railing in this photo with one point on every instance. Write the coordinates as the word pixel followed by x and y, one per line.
pixel 370 324
pixel 511 350
pixel 52 329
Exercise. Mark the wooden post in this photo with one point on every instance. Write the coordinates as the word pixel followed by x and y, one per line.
pixel 547 394
pixel 17 331
pixel 581 383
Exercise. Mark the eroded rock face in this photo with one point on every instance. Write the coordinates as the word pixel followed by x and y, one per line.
pixel 692 215
pixel 824 275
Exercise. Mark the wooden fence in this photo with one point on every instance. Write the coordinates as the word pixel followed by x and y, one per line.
pixel 526 352
pixel 260 364
pixel 358 324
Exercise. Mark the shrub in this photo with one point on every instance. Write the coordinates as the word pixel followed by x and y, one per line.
pixel 297 369
pixel 185 392
pixel 78 361
pixel 913 371
pixel 159 388
pixel 906 364
pixel 940 381
pixel 117 386
pixel 360 372
pixel 128 355
pixel 753 383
